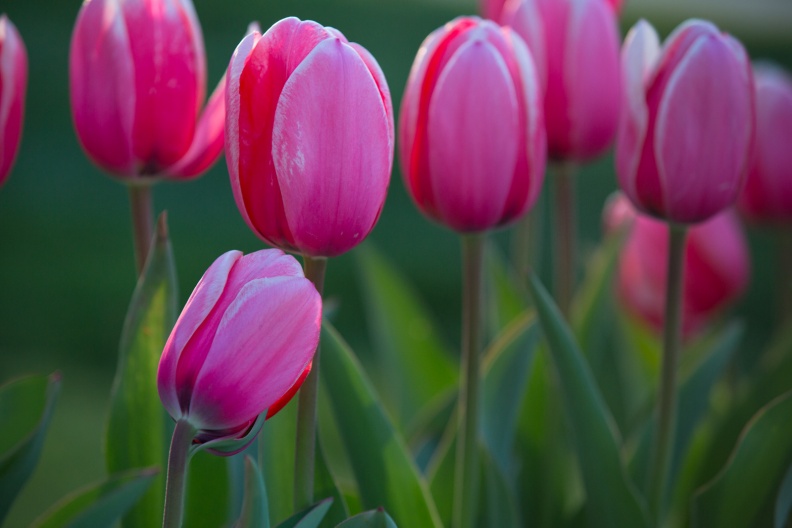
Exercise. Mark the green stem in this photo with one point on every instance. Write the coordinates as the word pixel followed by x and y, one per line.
pixel 142 221
pixel 467 465
pixel 305 450
pixel 178 459
pixel 566 235
pixel 666 399
pixel 784 283
pixel 525 242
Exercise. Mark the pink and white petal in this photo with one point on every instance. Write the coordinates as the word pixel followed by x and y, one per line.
pixel 265 340
pixel 524 18
pixel 265 263
pixel 331 150
pixel 472 128
pixel 382 84
pixel 13 83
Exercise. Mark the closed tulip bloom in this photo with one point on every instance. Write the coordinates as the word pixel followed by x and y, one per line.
pixel 471 133
pixel 13 81
pixel 687 131
pixel 575 44
pixel 309 137
pixel 767 196
pixel 137 73
pixel 243 343
pixel 716 266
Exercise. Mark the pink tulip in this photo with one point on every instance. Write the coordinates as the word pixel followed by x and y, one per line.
pixel 243 343
pixel 767 196
pixel 687 128
pixel 471 130
pixel 13 81
pixel 575 44
pixel 309 137
pixel 716 266
pixel 138 79
pixel 491 9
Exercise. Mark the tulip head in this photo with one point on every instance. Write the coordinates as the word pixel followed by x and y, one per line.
pixel 687 131
pixel 471 131
pixel 575 44
pixel 767 195
pixel 242 345
pixel 309 137
pixel 13 82
pixel 716 266
pixel 137 72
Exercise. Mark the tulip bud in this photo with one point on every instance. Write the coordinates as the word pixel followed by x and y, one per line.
pixel 471 130
pixel 13 81
pixel 716 264
pixel 309 137
pixel 137 72
pixel 575 44
pixel 767 196
pixel 243 343
pixel 687 128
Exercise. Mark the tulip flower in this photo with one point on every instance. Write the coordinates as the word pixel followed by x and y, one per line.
pixel 13 81
pixel 716 264
pixel 137 72
pixel 242 346
pixel 309 137
pixel 687 131
pixel 767 196
pixel 471 130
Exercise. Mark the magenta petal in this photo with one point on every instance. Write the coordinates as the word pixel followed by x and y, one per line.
pixel 382 84
pixel 473 126
pixel 524 17
pixel 333 156
pixel 13 83
pixel 242 374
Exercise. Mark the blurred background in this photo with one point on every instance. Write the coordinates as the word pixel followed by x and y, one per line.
pixel 66 258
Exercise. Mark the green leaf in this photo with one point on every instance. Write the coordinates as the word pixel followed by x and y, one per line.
pixel 409 351
pixel 371 519
pixel 100 504
pixel 276 458
pixel 325 486
pixel 255 511
pixel 26 406
pixel 500 506
pixel 310 517
pixel 507 296
pixel 207 500
pixel 611 497
pixel 385 472
pixel 441 470
pixel 744 492
pixel 783 505
pixel 137 430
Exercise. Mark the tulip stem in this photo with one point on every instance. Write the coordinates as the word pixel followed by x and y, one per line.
pixel 178 459
pixel 525 237
pixel 305 450
pixel 566 235
pixel 666 399
pixel 467 464
pixel 142 221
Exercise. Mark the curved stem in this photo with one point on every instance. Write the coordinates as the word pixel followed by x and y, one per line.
pixel 666 399
pixel 142 221
pixel 178 459
pixel 467 464
pixel 305 450
pixel 565 236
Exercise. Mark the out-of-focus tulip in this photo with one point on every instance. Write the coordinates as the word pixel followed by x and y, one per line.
pixel 687 131
pixel 471 131
pixel 243 343
pixel 309 137
pixel 767 196
pixel 13 81
pixel 716 265
pixel 575 44
pixel 137 72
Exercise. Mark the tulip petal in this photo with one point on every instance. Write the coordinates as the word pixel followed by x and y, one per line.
pixel 382 84
pixel 472 131
pixel 331 149
pixel 524 18
pixel 243 374
pixel 13 82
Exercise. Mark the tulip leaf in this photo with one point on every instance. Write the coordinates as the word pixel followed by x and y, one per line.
pixel 386 474
pixel 231 446
pixel 500 501
pixel 255 510
pixel 743 494
pixel 100 504
pixel 276 460
pixel 325 486
pixel 783 504
pixel 310 517
pixel 137 429
pixel 378 518
pixel 441 469
pixel 611 498
pixel 507 296
pixel 26 406
pixel 207 500
pixel 410 352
